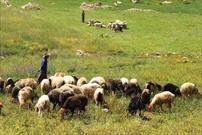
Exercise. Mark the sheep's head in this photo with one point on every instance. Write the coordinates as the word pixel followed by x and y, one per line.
pixel 1 105
pixel 62 110
pixel 149 108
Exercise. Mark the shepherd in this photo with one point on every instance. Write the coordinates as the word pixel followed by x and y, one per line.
pixel 43 67
pixel 83 16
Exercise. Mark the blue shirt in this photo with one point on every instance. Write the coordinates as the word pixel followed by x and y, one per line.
pixel 43 68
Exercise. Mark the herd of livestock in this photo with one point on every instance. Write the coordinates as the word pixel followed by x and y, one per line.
pixel 72 94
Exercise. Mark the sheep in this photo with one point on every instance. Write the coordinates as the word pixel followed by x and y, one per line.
pixel 61 74
pixel 65 87
pixel 1 106
pixel 2 82
pixel 25 94
pixel 152 86
pixel 114 86
pixel 46 85
pixel 139 102
pixel 172 88
pixel 82 81
pixel 99 96
pixel 124 81
pixel 42 104
pixel 161 98
pixel 89 89
pixel 76 89
pixel 26 82
pixel 189 89
pixel 70 79
pixel 14 93
pixel 131 90
pixel 57 82
pixel 134 81
pixel 64 96
pixel 56 96
pixel 72 103
pixel 99 80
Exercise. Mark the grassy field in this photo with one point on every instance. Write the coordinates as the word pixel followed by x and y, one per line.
pixel 163 46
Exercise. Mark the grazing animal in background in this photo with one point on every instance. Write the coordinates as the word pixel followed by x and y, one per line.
pixel 1 106
pixel 81 81
pixel 2 82
pixel 132 90
pixel 114 86
pixel 42 104
pixel 189 89
pixel 46 85
pixel 172 88
pixel 25 94
pixel 72 103
pixel 139 102
pixel 165 97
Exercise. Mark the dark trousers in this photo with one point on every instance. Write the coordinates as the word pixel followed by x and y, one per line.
pixel 41 77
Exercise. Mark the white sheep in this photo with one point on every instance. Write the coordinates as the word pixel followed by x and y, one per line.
pixel 57 82
pixel 161 98
pixel 188 89
pixel 26 82
pixel 65 87
pixel 124 81
pixel 134 81
pixel 89 89
pixel 25 94
pixel 42 104
pixel 76 89
pixel 69 79
pixel 82 81
pixel 46 85
pixel 99 80
pixel 99 96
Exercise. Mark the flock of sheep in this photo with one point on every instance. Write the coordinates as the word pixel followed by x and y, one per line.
pixel 116 26
pixel 72 94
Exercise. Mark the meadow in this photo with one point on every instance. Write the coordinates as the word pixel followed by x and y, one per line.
pixel 162 46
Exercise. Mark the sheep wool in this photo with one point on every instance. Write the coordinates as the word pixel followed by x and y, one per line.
pixel 188 89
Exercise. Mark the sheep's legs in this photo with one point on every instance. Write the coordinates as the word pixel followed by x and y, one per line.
pixel 169 106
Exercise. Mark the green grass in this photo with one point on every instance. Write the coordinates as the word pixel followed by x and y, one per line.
pixel 174 28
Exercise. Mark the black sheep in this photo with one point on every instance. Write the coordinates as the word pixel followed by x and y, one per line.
pixel 114 86
pixel 172 88
pixel 139 102
pixel 63 97
pixel 54 97
pixel 72 103
pixel 14 93
pixel 131 89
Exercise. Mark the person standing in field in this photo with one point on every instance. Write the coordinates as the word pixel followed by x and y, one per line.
pixel 83 16
pixel 43 68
